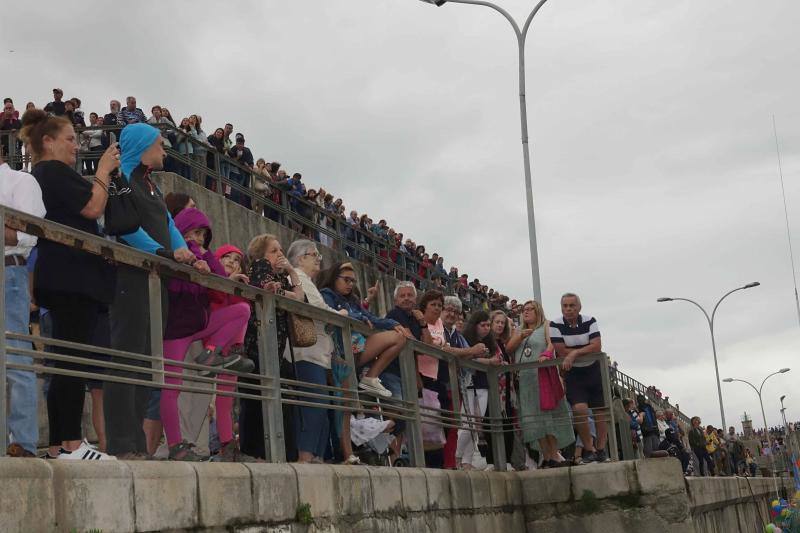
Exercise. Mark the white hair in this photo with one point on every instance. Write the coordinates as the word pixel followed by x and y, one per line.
pixel 571 295
pixel 403 285
pixel 298 249
pixel 453 301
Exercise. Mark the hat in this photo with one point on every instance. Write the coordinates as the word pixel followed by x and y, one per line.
pixel 239 137
pixel 57 90
pixel 226 249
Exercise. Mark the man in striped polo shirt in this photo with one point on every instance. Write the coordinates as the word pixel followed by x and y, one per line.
pixel 575 335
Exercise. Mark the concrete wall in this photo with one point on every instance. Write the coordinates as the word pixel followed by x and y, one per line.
pixel 636 496
pixel 236 225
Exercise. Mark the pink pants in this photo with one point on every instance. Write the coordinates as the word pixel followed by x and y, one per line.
pixel 226 327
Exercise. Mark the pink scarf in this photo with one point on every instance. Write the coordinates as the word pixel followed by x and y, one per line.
pixel 550 389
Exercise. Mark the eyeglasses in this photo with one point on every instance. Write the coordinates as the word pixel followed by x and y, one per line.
pixel 314 254
pixel 348 279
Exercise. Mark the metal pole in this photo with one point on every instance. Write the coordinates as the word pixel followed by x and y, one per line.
pixel 269 365
pixel 771 452
pixel 156 333
pixel 496 415
pixel 612 445
pixel 716 373
pixel 408 375
pixel 523 111
pixel 3 392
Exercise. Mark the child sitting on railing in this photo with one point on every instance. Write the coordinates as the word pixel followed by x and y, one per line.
pixel 221 330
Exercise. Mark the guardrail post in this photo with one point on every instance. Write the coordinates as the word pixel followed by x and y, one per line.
pixel 156 333
pixel 269 363
pixel 3 361
pixel 612 447
pixel 496 416
pixel 455 389
pixel 408 373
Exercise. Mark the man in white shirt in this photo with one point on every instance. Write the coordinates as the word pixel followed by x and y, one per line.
pixel 20 191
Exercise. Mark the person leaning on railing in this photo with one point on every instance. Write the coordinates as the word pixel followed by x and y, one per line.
pixel 475 390
pixel 21 191
pixel 70 283
pixel 271 271
pixel 337 286
pixel 313 363
pixel 546 426
pixel 125 404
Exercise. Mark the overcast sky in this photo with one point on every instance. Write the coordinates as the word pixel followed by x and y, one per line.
pixel 654 164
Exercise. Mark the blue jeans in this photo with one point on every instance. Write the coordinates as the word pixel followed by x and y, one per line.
pixel 23 416
pixel 312 425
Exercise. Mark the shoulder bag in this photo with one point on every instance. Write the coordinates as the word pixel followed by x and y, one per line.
pixel 121 215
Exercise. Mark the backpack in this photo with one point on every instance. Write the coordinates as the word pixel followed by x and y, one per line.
pixel 650 424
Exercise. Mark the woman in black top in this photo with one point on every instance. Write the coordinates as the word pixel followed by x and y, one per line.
pixel 72 284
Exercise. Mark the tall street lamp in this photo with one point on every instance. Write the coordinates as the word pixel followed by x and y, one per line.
pixel 710 320
pixel 523 113
pixel 763 415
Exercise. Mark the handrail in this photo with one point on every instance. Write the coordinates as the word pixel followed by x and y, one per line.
pixel 266 303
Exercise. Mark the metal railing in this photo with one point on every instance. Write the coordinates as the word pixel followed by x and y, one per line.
pixel 268 387
pixel 293 211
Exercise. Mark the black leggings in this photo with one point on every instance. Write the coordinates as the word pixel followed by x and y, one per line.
pixel 74 319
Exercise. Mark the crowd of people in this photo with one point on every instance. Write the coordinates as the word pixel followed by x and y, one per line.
pixel 227 153
pixel 91 301
pixel 551 416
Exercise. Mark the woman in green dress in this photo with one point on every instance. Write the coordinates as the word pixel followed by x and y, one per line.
pixel 545 431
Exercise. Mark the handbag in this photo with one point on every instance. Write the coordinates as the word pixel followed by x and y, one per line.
pixel 550 388
pixel 121 215
pixel 302 332
pixel 432 432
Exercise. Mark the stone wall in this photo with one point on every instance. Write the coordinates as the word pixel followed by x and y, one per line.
pixel 636 496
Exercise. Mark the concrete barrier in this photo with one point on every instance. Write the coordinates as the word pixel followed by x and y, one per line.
pixel 649 496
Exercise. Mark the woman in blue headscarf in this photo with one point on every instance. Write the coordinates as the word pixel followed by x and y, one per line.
pixel 125 405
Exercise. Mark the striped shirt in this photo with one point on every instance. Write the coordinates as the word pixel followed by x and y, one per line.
pixel 575 337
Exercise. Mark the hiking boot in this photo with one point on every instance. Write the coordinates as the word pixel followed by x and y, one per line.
pixel 601 456
pixel 16 450
pixel 374 386
pixel 134 456
pixel 209 357
pixel 237 363
pixel 183 452
pixel 230 453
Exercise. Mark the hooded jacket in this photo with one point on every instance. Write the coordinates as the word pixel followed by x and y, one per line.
pixel 220 299
pixel 189 302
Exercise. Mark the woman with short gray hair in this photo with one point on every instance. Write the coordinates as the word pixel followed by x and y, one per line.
pixel 312 363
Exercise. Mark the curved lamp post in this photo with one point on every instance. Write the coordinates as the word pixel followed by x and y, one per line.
pixel 763 415
pixel 710 320
pixel 521 35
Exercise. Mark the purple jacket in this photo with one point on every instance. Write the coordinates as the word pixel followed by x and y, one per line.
pixel 188 302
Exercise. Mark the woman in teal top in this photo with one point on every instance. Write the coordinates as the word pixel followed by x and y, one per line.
pixel 545 431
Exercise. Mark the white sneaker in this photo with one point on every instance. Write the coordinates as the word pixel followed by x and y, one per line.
pixel 374 386
pixel 85 452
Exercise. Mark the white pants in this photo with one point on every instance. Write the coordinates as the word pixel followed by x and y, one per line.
pixel 473 403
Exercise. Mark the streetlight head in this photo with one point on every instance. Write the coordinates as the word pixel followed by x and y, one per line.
pixel 435 2
pixel 782 397
pixel 784 370
pixel 751 285
pixel 664 300
pixel 728 380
